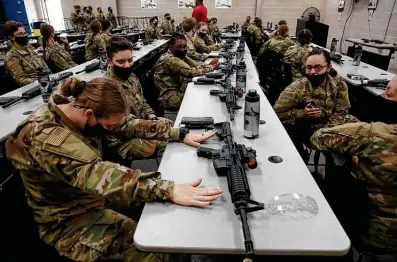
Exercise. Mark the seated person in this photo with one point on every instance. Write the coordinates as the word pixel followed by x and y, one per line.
pixel 188 25
pixel 100 16
pixel 153 31
pixel 279 43
pixel 21 61
pixel 57 56
pixel 119 51
pixel 166 26
pixel 391 90
pixel 255 35
pixel 106 34
pixel 275 32
pixel 213 30
pixel 174 70
pixel 88 16
pixel 75 196
pixel 202 42
pixel 373 151
pixel 95 44
pixel 317 100
pixel 296 55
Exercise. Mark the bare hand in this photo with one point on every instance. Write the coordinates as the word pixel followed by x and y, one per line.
pixel 215 63
pixel 196 139
pixel 63 39
pixel 191 195
pixel 312 112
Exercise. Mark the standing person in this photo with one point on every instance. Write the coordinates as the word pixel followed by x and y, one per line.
pixel 58 57
pixel 21 61
pixel 75 196
pixel 88 16
pixel 199 11
pixel 106 34
pixel 95 44
pixel 202 42
pixel 276 32
pixel 174 70
pixel 188 25
pixel 166 26
pixel 247 23
pixel 119 52
pixel 255 35
pixel 77 19
pixel 100 16
pixel 153 31
pixel 111 17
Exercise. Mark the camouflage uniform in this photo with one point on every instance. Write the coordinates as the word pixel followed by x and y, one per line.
pixel 57 54
pixel 94 46
pixel 140 109
pixel 296 56
pixel 77 22
pixel 153 32
pixel 166 26
pixel 106 35
pixel 375 146
pixel 100 17
pixel 172 76
pixel 23 64
pixel 202 45
pixel 331 97
pixel 191 52
pixel 112 18
pixel 277 44
pixel 245 25
pixel 75 195
pixel 88 17
pixel 256 35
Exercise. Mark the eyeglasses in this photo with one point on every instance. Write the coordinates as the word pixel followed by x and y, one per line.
pixel 20 34
pixel 316 68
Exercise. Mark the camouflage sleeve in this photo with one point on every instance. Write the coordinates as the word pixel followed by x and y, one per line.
pixel 15 69
pixel 200 46
pixel 182 68
pixel 258 37
pixel 285 106
pixel 347 138
pixel 166 28
pixel 161 130
pixel 80 165
pixel 191 53
pixel 342 103
pixel 149 34
pixel 58 60
pixel 100 44
pixel 209 41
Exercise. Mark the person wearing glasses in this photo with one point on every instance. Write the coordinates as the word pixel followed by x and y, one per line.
pixel 320 99
pixel 21 61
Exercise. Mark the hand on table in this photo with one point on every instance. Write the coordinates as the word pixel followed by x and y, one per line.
pixel 192 195
pixel 195 139
pixel 312 112
pixel 215 63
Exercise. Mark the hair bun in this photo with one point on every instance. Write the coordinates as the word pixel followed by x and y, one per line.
pixel 73 87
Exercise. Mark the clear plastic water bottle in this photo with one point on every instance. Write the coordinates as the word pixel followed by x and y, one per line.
pixel 43 77
pixel 241 76
pixel 333 45
pixel 357 55
pixel 251 114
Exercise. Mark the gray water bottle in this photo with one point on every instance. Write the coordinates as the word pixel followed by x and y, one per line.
pixel 43 77
pixel 241 76
pixel 333 45
pixel 103 61
pixel 357 55
pixel 240 54
pixel 251 114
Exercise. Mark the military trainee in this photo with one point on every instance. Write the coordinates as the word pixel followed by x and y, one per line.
pixel 88 16
pixel 255 34
pixel 174 70
pixel 320 99
pixel 213 30
pixel 373 147
pixel 153 31
pixel 166 26
pixel 120 68
pixel 296 55
pixel 21 61
pixel 188 24
pixel 100 16
pixel 56 55
pixel 95 42
pixel 77 19
pixel 246 23
pixel 111 17
pixel 106 34
pixel 202 42
pixel 75 196
pixel 279 43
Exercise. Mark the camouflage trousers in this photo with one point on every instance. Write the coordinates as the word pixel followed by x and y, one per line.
pixel 98 235
pixel 142 148
pixel 171 99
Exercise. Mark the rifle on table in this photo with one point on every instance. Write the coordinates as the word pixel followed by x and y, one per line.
pixel 230 161
pixel 90 68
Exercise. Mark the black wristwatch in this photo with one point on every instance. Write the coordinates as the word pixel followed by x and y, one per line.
pixel 183 131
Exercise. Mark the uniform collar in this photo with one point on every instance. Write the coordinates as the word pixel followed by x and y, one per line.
pixel 111 73
pixel 22 50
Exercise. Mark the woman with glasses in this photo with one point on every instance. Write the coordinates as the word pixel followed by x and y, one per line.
pixel 320 99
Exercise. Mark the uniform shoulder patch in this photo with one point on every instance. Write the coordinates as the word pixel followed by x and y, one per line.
pixel 57 137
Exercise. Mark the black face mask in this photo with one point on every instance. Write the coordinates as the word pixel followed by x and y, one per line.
pixel 316 80
pixel 180 53
pixel 202 35
pixel 168 18
pixel 155 24
pixel 22 40
pixel 95 131
pixel 122 72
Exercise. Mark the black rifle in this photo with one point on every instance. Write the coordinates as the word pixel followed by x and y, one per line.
pixel 230 161
pixel 35 91
pixel 90 68
pixel 197 122
pixel 337 58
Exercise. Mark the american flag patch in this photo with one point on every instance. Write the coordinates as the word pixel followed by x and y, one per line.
pixel 57 136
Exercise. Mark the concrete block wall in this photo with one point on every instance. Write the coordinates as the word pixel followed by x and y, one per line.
pixel 358 25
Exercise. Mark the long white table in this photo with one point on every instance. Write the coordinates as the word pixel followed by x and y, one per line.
pixel 12 116
pixel 165 227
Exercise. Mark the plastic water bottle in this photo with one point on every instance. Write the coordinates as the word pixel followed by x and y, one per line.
pixel 251 114
pixel 357 55
pixel 241 77
pixel 240 54
pixel 43 77
pixel 333 45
